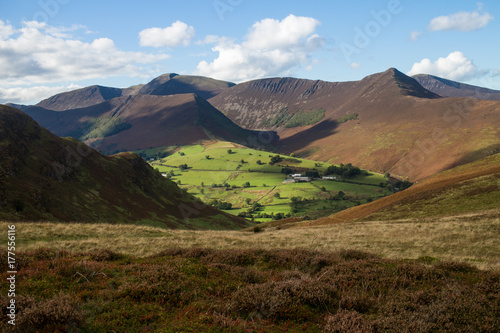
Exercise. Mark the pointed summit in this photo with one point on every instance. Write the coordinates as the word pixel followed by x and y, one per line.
pixel 406 85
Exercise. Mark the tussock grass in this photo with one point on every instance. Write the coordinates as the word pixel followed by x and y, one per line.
pixel 469 238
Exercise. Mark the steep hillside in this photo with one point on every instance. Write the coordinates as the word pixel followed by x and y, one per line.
pixel 449 88
pixel 145 121
pixel 172 84
pixel 44 177
pixel 386 122
pixel 470 188
pixel 80 98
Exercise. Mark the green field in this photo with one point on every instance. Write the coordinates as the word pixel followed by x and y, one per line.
pixel 253 185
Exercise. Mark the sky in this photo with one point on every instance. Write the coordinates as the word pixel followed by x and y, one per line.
pixel 51 46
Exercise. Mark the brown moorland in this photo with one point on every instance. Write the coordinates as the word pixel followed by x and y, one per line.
pixel 395 124
pixel 143 121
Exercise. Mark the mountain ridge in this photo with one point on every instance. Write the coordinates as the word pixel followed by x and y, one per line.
pixel 449 88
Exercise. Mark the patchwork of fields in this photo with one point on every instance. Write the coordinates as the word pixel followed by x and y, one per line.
pixel 253 185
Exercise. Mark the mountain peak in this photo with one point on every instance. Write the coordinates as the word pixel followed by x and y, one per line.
pixel 407 86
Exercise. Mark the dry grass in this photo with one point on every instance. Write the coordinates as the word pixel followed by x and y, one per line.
pixel 473 238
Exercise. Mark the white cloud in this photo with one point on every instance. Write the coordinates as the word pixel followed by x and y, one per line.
pixel 414 35
pixel 6 30
pixel 28 95
pixel 462 21
pixel 456 66
pixel 38 53
pixel 271 48
pixel 176 34
pixel 355 65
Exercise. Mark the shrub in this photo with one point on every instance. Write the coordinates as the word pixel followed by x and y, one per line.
pixel 59 313
pixel 347 321
pixel 257 229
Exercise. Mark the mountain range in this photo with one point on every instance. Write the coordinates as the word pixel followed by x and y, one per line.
pixel 386 122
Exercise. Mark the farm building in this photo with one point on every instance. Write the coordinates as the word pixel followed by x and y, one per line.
pixel 302 179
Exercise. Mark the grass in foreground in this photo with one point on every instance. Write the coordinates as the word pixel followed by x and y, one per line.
pixel 203 290
pixel 471 238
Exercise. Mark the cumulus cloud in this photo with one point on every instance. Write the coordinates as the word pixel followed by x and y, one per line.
pixel 355 65
pixel 271 48
pixel 456 66
pixel 179 33
pixel 462 21
pixel 38 53
pixel 414 35
pixel 23 95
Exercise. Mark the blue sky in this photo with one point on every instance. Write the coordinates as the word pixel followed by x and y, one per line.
pixel 49 46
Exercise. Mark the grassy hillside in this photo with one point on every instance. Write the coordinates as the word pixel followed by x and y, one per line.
pixel 245 177
pixel 471 188
pixel 44 177
pixel 244 287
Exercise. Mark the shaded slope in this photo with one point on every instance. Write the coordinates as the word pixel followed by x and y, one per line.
pixel 144 121
pixel 80 98
pixel 172 84
pixel 449 88
pixel 469 188
pixel 44 177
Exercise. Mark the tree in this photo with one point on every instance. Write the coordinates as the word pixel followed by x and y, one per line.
pixel 277 195
pixel 229 151
pixel 183 167
pixel 259 162
pixel 275 159
pixel 247 184
pixel 242 161
pixel 248 200
pixel 207 157
pixel 181 153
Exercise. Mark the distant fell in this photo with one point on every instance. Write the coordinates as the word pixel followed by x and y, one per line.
pixel 172 84
pixel 449 88
pixel 80 98
pixel 138 122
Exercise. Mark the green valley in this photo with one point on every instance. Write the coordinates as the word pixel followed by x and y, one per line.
pixel 250 183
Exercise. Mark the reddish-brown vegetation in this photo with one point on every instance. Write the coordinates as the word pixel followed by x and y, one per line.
pixel 259 290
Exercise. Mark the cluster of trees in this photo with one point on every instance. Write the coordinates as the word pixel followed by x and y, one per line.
pixel 221 204
pixel 275 159
pixel 156 156
pixel 183 167
pixel 348 170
